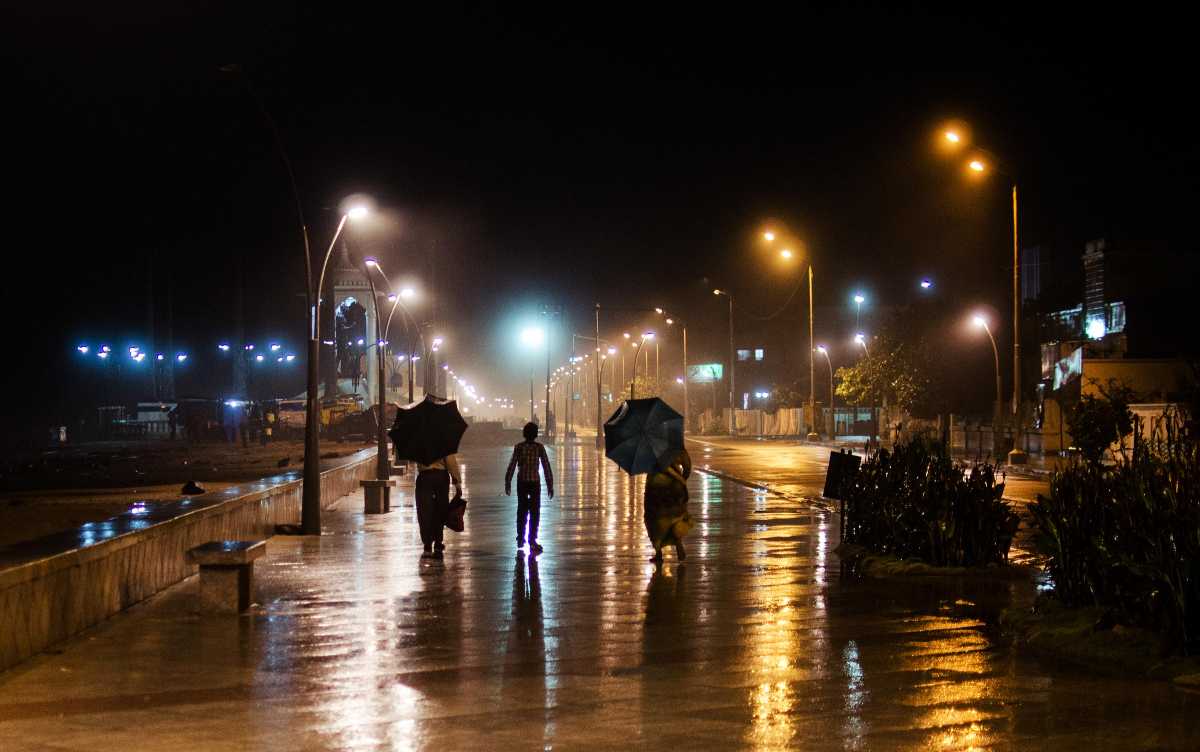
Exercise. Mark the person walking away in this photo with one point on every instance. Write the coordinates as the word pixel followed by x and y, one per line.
pixel 528 458
pixel 665 501
pixel 433 500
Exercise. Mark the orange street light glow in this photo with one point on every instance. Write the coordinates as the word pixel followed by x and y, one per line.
pixel 953 137
pixel 976 165
pixel 786 253
pixel 768 236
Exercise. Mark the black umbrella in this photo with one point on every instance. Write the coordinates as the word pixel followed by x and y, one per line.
pixel 428 430
pixel 643 435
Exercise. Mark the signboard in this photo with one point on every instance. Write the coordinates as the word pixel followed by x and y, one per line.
pixel 705 373
pixel 842 467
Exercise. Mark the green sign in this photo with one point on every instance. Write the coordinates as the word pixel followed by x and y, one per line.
pixel 705 373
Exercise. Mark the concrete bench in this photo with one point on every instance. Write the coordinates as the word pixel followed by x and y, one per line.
pixel 377 495
pixel 226 573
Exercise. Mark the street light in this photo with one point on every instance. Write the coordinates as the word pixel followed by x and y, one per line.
pixel 859 299
pixel 832 419
pixel 786 254
pixel 732 361
pixel 861 339
pixel 683 326
pixel 310 506
pixel 981 323
pixel 532 337
pixel 979 166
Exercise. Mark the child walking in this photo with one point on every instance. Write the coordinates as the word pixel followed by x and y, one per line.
pixel 527 458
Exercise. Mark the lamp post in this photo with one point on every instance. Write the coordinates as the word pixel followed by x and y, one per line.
pixel 671 321
pixel 786 254
pixel 859 299
pixel 982 323
pixel 732 359
pixel 979 165
pixel 638 347
pixel 832 419
pixel 310 505
pixel 532 337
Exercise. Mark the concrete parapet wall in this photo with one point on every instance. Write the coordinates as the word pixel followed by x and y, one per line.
pixel 55 587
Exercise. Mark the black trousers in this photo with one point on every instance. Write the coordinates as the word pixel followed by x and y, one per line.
pixel 529 506
pixel 433 499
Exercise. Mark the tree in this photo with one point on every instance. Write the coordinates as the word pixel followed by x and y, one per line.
pixel 1096 423
pixel 894 373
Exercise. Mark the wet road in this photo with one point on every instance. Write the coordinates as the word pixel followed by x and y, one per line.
pixel 797 470
pixel 756 642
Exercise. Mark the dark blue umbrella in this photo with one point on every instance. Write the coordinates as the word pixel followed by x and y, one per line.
pixel 643 435
pixel 428 430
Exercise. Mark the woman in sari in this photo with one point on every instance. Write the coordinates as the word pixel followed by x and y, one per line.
pixel 666 516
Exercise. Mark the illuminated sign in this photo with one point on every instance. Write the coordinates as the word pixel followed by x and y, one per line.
pixel 705 373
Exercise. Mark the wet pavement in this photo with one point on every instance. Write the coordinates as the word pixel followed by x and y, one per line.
pixel 758 641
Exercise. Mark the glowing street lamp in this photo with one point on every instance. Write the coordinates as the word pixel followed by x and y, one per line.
pixel 861 339
pixel 978 166
pixel 832 420
pixel 534 338
pixel 926 284
pixel 83 349
pixel 981 323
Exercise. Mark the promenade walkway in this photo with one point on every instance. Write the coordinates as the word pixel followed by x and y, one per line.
pixel 756 642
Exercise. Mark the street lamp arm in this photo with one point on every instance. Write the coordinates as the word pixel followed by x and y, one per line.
pixel 321 279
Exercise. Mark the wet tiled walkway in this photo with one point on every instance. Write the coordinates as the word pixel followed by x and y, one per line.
pixel 756 642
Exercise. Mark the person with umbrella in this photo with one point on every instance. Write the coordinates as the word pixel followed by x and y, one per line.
pixel 428 433
pixel 665 504
pixel 433 500
pixel 646 436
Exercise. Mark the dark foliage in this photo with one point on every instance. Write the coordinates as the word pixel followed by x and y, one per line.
pixel 1127 538
pixel 1098 422
pixel 916 502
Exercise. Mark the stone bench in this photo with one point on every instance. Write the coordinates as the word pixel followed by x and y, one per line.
pixel 226 573
pixel 377 495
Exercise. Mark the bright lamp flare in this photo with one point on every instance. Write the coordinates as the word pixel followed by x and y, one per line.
pixel 979 321
pixel 532 336
pixel 976 165
pixel 953 137
pixel 393 297
pixel 860 338
pixel 858 298
pixel 407 293
pixel 768 236
pixel 357 212
pixel 822 349
pixel 786 253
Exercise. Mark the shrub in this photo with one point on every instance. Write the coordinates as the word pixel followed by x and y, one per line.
pixel 1127 538
pixel 916 502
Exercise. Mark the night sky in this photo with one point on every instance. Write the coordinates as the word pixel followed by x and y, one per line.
pixel 574 154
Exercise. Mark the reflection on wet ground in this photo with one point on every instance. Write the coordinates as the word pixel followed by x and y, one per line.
pixel 757 641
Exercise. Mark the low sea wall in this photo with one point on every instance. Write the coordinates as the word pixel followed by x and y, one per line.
pixel 55 587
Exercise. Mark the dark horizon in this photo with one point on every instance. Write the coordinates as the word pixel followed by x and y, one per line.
pixel 628 160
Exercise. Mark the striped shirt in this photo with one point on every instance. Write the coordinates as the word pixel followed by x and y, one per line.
pixel 525 459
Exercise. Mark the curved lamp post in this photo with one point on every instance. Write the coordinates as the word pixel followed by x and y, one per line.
pixel 310 506
pixel 732 361
pixel 832 418
pixel 982 323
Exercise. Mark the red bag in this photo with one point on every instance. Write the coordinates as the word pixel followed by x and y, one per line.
pixel 454 514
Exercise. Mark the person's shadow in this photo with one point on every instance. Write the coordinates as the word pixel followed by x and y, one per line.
pixel 666 603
